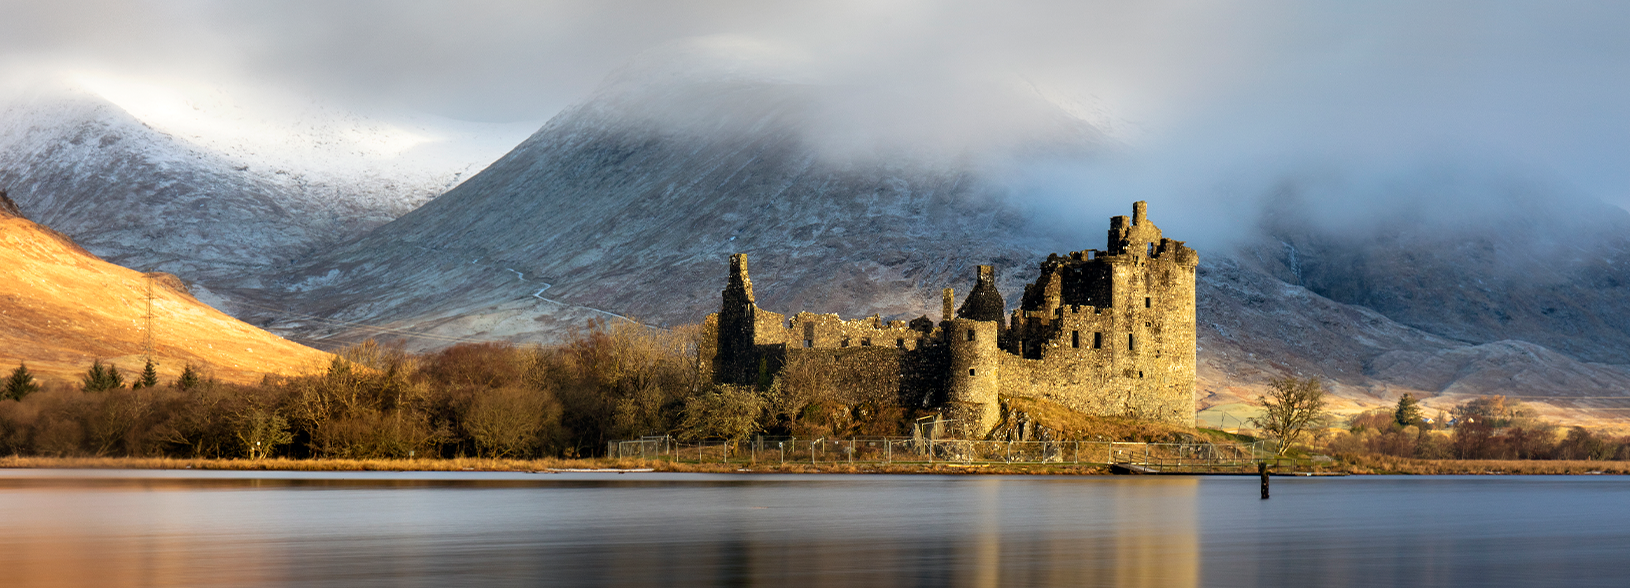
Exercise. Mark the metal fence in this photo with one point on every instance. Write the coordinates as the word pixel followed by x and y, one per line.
pixel 1192 456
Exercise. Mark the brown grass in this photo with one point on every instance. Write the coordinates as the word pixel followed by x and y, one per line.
pixel 1379 464
pixel 61 308
pixel 1073 425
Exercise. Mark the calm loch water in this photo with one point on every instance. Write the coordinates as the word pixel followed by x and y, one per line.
pixel 140 528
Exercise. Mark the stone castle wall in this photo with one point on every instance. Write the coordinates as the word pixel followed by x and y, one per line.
pixel 1107 333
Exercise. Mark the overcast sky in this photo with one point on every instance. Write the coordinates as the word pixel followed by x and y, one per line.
pixel 1207 86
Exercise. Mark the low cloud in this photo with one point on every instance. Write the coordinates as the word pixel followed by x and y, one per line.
pixel 1203 105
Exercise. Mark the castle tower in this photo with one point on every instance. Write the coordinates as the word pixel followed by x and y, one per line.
pixel 975 377
pixel 736 361
pixel 1135 235
pixel 984 303
pixel 973 339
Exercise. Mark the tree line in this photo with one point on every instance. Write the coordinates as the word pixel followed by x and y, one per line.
pixel 612 381
pixel 1489 427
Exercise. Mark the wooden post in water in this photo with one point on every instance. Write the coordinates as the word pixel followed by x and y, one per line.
pixel 1262 468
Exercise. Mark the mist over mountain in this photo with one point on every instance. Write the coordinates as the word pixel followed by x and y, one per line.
pixel 199 189
pixel 1519 262
pixel 1391 240
pixel 628 204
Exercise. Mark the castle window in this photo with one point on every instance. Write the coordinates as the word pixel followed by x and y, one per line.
pixel 1131 342
pixel 865 342
pixel 1075 339
pixel 1140 374
pixel 970 334
pixel 1148 302
pixel 845 343
pixel 1151 250
pixel 901 343
pixel 970 371
pixel 1097 340
pixel 808 343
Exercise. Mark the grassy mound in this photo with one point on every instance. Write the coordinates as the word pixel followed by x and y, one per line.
pixel 1031 419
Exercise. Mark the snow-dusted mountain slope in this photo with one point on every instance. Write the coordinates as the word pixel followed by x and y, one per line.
pixel 1527 265
pixel 629 203
pixel 214 192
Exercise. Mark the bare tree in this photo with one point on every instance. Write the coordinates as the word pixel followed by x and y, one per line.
pixel 262 431
pixel 507 422
pixel 730 412
pixel 1292 407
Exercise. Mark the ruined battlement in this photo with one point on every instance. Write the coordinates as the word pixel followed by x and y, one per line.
pixel 1105 332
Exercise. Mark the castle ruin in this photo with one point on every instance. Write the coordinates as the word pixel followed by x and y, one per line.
pixel 1108 333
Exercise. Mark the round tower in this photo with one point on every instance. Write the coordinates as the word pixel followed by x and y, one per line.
pixel 975 376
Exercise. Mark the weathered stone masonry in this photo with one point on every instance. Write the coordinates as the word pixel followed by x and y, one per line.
pixel 1107 332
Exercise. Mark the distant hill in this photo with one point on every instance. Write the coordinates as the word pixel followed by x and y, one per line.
pixel 62 307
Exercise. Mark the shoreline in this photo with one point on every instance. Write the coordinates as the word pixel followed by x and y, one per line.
pixel 1358 465
pixel 535 465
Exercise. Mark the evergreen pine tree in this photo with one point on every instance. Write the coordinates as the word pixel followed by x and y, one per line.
pixel 149 377
pixel 1408 411
pixel 189 379
pixel 102 378
pixel 20 384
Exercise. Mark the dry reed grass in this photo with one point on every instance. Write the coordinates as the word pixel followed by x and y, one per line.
pixel 523 465
pixel 1380 464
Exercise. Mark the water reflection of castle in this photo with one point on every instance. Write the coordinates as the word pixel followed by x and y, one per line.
pixel 979 532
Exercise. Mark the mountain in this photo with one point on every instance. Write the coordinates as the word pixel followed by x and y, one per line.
pixel 205 190
pixel 1254 327
pixel 628 204
pixel 1518 263
pixel 62 308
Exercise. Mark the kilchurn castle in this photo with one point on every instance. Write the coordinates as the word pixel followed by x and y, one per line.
pixel 1107 332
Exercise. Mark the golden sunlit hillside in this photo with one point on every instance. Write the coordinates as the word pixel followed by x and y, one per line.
pixel 62 308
